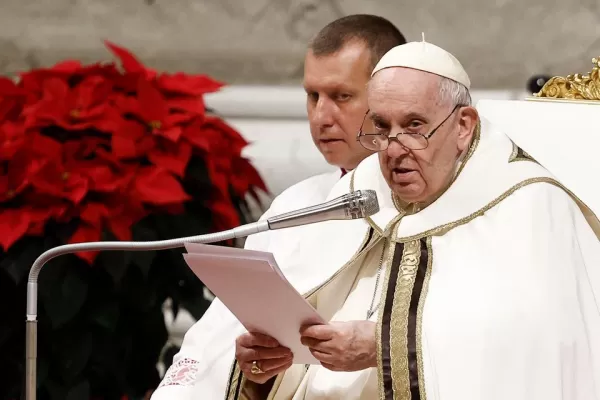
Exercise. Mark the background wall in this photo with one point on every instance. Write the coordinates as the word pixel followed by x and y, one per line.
pixel 501 42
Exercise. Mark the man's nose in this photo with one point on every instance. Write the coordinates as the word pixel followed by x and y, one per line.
pixel 395 149
pixel 323 115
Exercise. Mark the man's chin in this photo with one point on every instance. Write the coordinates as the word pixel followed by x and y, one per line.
pixel 406 192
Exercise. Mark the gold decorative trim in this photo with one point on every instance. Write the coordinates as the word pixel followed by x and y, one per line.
pixel 382 299
pixel 409 265
pixel 518 154
pixel 451 225
pixel 574 87
pixel 235 374
pixel 420 308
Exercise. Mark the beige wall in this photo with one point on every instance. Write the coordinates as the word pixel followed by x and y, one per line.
pixel 501 43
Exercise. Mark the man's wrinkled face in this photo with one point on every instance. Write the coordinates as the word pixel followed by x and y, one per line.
pixel 336 102
pixel 407 100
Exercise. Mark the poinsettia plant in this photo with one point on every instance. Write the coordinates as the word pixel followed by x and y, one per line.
pixel 107 151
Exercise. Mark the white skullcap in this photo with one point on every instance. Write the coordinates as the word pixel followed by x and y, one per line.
pixel 426 57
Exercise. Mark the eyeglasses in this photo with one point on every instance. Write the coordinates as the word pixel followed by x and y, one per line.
pixel 411 141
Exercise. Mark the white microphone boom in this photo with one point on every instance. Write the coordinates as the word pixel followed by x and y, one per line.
pixel 358 204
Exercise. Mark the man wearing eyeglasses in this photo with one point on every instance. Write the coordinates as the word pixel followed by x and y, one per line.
pixel 337 67
pixel 477 279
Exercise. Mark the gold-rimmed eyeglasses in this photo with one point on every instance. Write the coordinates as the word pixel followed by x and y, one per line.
pixel 408 140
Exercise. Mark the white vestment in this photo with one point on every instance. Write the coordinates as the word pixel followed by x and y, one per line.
pixel 201 368
pixel 492 292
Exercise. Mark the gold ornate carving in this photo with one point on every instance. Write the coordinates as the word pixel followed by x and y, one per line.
pixel 574 87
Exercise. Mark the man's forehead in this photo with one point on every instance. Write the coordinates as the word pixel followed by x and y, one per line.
pixel 397 92
pixel 399 83
pixel 349 66
pixel 404 77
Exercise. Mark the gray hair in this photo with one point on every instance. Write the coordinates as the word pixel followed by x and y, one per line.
pixel 454 93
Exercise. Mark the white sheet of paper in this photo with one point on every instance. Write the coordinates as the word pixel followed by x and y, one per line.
pixel 252 287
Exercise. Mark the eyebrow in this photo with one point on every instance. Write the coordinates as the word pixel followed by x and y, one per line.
pixel 376 117
pixel 410 116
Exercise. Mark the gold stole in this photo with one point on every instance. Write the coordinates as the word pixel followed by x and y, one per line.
pixel 399 358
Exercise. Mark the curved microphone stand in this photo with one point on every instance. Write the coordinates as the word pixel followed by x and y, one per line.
pixel 357 204
pixel 32 283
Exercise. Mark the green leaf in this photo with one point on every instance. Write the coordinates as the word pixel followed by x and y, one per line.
pixel 42 371
pixel 80 391
pixel 142 232
pixel 18 261
pixel 55 390
pixel 113 262
pixel 72 348
pixel 106 315
pixel 63 289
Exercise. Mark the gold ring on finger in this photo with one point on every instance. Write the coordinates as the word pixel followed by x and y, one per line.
pixel 256 369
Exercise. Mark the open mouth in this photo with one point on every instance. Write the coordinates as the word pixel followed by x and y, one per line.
pixel 402 170
pixel 330 140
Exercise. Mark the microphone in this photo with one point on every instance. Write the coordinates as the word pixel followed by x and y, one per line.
pixel 354 205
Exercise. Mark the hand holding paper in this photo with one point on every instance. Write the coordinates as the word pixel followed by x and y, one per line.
pixel 251 285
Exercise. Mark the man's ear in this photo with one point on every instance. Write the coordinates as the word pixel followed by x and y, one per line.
pixel 468 118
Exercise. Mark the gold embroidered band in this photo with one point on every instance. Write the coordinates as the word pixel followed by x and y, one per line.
pixel 400 359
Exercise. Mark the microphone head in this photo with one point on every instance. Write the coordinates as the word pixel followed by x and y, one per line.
pixel 361 204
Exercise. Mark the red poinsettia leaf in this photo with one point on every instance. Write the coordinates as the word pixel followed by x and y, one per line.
pixel 123 147
pixel 194 85
pixel 86 233
pixel 94 214
pixel 226 130
pixel 10 88
pixel 13 225
pixel 56 181
pixel 179 119
pixel 193 134
pixel 172 158
pixel 12 139
pixel 156 185
pixel 125 140
pixel 127 104
pixel 190 105
pixel 45 146
pixel 173 209
pixel 40 215
pixel 129 62
pixel 55 89
pixel 105 179
pixel 246 171
pixel 10 108
pixel 153 106
pixel 121 228
pixel 218 178
pixel 92 91
pixel 121 221
pixel 68 67
pixel 172 133
pixel 225 215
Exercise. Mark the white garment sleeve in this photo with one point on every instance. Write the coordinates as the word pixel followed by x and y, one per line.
pixel 202 366
pixel 532 329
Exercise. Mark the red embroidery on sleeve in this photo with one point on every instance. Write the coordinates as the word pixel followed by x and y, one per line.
pixel 181 373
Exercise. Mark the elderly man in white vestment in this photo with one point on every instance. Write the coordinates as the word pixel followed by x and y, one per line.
pixel 477 279
pixel 337 67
